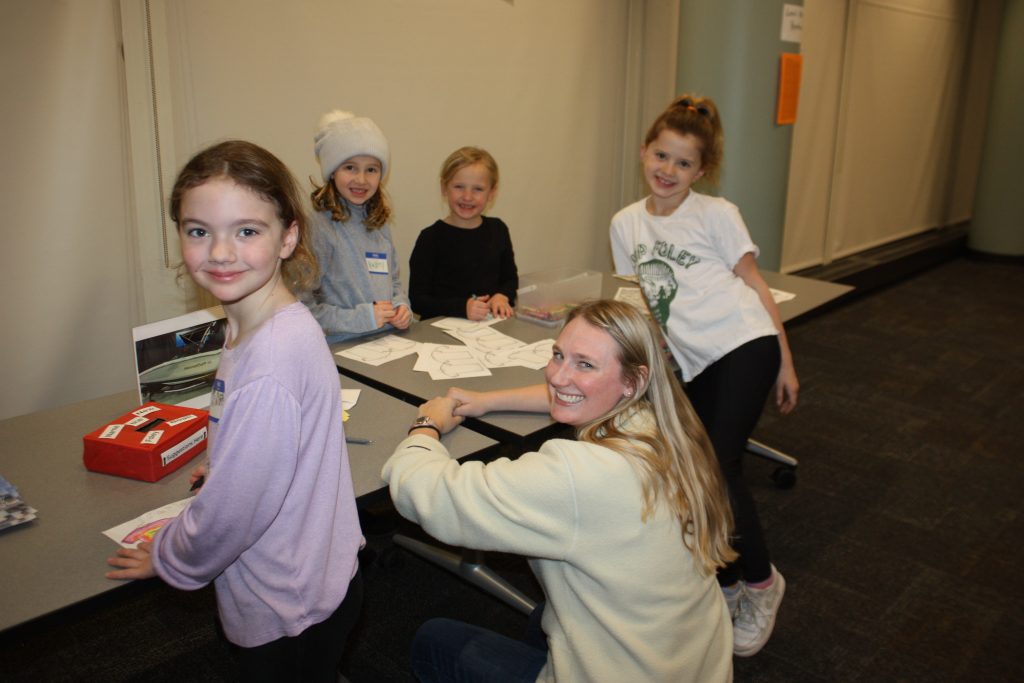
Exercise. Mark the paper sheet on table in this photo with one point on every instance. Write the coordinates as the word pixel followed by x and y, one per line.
pixel 349 398
pixel 448 361
pixel 781 296
pixel 465 324
pixel 381 350
pixel 145 526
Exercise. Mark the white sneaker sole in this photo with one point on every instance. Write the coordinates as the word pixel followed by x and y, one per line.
pixel 751 650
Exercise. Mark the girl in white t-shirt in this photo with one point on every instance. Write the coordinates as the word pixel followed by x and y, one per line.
pixel 697 267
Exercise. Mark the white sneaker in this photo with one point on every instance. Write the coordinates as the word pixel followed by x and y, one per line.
pixel 732 599
pixel 755 617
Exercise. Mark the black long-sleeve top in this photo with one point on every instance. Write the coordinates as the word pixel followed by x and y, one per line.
pixel 449 264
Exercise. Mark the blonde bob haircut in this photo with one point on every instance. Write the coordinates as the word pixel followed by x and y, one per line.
pixel 467 156
pixel 676 460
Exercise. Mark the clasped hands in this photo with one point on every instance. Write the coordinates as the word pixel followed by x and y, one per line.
pixel 385 312
pixel 448 411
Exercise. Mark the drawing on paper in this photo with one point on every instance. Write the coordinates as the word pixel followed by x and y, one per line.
pixel 380 351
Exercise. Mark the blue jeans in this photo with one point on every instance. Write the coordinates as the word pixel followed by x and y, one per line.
pixel 454 651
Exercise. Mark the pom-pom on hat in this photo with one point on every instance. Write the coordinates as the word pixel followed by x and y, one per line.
pixel 342 135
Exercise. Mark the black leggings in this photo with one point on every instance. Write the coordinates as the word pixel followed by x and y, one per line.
pixel 729 396
pixel 314 654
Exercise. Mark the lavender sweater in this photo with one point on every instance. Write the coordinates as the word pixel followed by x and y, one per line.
pixel 274 526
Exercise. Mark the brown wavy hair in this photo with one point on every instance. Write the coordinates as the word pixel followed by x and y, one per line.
pixel 250 166
pixel 676 461
pixel 697 116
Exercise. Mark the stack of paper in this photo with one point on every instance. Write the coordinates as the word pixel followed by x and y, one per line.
pixel 13 510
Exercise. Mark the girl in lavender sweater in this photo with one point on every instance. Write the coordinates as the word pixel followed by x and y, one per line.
pixel 274 526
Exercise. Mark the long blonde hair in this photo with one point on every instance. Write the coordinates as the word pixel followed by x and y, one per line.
pixel 677 462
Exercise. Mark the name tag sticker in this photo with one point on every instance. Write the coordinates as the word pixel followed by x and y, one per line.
pixel 136 421
pixel 377 262
pixel 145 411
pixel 217 400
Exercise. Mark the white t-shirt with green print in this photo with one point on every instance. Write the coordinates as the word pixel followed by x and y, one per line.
pixel 685 263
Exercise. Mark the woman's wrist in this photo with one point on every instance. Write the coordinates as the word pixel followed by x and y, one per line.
pixel 425 430
pixel 424 423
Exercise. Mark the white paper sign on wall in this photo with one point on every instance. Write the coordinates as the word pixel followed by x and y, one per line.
pixel 792 23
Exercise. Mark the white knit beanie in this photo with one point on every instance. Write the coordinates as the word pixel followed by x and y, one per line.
pixel 342 135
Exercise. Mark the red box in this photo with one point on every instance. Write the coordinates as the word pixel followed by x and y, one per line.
pixel 148 443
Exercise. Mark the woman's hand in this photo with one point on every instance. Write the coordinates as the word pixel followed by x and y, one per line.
pixel 499 306
pixel 467 403
pixel 477 307
pixel 442 411
pixel 135 563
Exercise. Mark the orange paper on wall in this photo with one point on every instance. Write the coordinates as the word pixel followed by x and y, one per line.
pixel 790 66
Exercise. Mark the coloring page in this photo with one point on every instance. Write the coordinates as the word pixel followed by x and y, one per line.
pixel 145 526
pixel 464 324
pixel 380 351
pixel 444 361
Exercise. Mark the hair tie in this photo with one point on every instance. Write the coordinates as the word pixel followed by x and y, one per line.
pixel 701 109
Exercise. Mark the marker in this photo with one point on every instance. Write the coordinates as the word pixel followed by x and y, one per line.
pixel 197 483
pixel 354 439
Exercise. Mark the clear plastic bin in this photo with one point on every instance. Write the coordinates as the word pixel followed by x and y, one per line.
pixel 547 296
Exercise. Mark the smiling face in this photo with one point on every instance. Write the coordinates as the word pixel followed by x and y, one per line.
pixel 358 178
pixel 232 241
pixel 671 163
pixel 584 374
pixel 469 192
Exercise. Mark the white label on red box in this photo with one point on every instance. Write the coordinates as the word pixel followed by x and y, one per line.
pixel 171 454
pixel 111 431
pixel 141 412
pixel 136 421
pixel 181 420
pixel 153 437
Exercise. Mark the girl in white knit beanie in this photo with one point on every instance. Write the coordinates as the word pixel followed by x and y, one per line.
pixel 360 291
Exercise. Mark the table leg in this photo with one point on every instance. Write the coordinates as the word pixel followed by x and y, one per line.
pixel 471 567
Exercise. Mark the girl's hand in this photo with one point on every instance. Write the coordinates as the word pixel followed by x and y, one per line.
pixel 500 307
pixel 403 316
pixel 383 312
pixel 787 387
pixel 477 308
pixel 198 473
pixel 442 411
pixel 467 403
pixel 135 563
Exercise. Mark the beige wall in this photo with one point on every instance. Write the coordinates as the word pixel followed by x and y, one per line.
pixel 541 84
pixel 66 260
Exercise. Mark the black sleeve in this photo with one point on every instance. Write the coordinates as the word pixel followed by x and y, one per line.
pixel 508 281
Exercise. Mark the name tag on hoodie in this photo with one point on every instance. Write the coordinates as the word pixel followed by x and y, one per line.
pixel 377 263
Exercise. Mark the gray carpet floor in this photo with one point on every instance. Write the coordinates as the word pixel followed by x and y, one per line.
pixel 898 542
